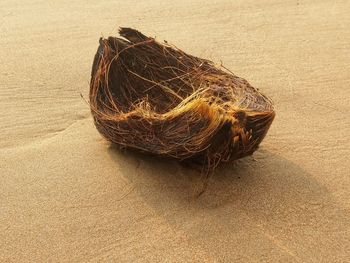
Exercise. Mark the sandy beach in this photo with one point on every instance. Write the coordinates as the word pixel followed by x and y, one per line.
pixel 67 195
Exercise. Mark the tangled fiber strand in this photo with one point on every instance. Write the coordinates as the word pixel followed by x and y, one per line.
pixel 155 98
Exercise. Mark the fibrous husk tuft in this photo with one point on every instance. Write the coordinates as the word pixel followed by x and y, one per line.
pixel 155 98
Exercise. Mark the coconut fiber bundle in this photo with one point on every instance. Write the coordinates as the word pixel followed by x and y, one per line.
pixel 155 98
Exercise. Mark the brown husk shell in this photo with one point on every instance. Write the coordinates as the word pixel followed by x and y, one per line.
pixel 157 99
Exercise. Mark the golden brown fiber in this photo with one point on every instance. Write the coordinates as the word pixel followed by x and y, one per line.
pixel 155 98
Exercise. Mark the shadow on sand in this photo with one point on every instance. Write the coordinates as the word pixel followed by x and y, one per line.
pixel 253 199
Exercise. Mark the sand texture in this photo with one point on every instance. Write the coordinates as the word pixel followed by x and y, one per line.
pixel 66 195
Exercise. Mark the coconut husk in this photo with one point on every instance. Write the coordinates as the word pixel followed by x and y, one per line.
pixel 155 98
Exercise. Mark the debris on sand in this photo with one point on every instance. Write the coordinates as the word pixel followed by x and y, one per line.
pixel 155 98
